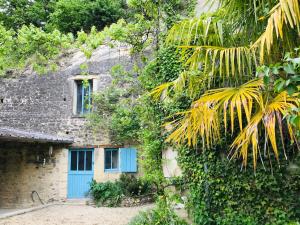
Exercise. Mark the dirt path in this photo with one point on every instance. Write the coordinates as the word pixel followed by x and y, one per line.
pixel 75 215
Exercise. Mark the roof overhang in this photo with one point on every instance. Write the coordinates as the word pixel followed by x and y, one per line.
pixel 17 135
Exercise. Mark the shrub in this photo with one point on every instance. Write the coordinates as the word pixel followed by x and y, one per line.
pixel 107 193
pixel 111 193
pixel 132 186
pixel 162 214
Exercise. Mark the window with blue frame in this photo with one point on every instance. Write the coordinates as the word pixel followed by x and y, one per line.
pixel 84 96
pixel 120 160
pixel 111 159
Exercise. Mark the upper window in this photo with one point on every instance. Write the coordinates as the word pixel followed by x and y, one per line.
pixel 84 96
pixel 111 159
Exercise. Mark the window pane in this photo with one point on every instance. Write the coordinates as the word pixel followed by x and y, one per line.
pixel 88 160
pixel 74 160
pixel 87 97
pixel 79 96
pixel 107 159
pixel 81 160
pixel 115 159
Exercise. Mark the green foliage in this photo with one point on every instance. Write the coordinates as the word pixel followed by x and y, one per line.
pixel 124 122
pixel 16 13
pixel 146 22
pixel 219 193
pixel 132 186
pixel 163 68
pixel 64 15
pixel 176 10
pixel 31 46
pixel 115 107
pixel 107 193
pixel 162 214
pixel 151 139
pixel 111 193
pixel 285 76
pixel 75 15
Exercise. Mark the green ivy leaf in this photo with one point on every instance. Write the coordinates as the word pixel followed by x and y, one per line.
pixel 280 85
pixel 266 80
pixel 289 69
pixel 291 89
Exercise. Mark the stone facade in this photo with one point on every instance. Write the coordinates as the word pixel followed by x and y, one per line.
pixel 204 6
pixel 46 104
pixel 23 178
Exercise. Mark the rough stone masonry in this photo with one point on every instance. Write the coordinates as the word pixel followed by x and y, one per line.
pixel 45 104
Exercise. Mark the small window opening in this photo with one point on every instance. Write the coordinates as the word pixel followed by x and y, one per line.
pixel 111 159
pixel 1 100
pixel 84 96
pixel 65 99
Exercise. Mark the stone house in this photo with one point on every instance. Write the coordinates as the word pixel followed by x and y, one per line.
pixel 47 153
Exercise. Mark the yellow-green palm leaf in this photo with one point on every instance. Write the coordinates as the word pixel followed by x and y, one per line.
pixel 202 121
pixel 285 13
pixel 270 117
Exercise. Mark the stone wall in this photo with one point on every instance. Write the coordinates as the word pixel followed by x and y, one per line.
pixel 21 175
pixel 45 103
pixel 203 7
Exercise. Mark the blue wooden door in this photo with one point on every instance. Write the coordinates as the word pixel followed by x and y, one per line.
pixel 81 172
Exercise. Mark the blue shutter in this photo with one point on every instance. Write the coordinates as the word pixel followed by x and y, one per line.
pixel 128 160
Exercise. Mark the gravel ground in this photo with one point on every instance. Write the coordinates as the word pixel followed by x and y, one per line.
pixel 76 214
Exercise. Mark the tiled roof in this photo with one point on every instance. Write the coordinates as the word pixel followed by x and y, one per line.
pixel 11 134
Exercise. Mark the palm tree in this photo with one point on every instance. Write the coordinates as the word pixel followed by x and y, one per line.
pixel 226 48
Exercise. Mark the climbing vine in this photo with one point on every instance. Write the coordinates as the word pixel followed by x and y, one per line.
pixel 219 193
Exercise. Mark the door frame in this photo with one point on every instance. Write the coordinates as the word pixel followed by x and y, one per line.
pixel 70 172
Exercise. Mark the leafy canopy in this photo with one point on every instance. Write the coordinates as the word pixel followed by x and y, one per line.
pixel 75 15
pixel 64 15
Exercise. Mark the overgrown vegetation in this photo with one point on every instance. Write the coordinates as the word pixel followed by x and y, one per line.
pixel 123 109
pixel 228 82
pixel 75 15
pixel 162 214
pixel 231 91
pixel 31 47
pixel 219 77
pixel 106 194
pixel 219 193
pixel 64 15
pixel 111 193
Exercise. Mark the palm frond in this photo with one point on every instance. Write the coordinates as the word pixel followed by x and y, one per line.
pixel 237 100
pixel 249 136
pixel 202 45
pixel 287 13
pixel 222 62
pixel 191 126
pixel 203 119
pixel 190 81
pixel 160 91
pixel 270 117
pixel 200 31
